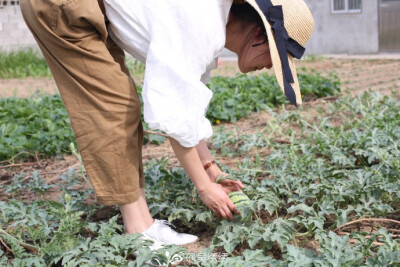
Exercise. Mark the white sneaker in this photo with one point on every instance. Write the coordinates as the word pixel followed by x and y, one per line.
pixel 162 231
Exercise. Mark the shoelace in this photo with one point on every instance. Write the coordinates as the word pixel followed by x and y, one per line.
pixel 167 223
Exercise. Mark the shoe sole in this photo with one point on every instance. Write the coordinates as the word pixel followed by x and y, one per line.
pixel 192 242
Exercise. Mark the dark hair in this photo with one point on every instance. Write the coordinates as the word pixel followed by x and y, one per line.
pixel 247 14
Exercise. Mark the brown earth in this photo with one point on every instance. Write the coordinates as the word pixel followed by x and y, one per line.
pixel 26 87
pixel 356 76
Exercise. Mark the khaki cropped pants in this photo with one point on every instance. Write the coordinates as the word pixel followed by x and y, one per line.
pixel 97 90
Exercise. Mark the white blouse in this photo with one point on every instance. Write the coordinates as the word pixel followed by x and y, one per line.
pixel 179 41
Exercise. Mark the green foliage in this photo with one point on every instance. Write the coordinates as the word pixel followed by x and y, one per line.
pixel 238 96
pixel 337 166
pixel 233 142
pixel 321 180
pixel 40 124
pixel 59 238
pixel 313 85
pixel 136 69
pixel 310 189
pixel 58 232
pixel 31 63
pixel 23 63
pixel 179 201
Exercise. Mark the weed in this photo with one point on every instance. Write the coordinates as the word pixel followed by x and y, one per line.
pixel 22 64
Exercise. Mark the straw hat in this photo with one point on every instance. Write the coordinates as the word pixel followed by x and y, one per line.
pixel 286 42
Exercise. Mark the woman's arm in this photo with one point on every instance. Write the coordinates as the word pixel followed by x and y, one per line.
pixel 205 157
pixel 211 193
pixel 214 171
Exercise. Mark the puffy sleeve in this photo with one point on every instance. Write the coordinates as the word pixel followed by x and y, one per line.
pixel 185 39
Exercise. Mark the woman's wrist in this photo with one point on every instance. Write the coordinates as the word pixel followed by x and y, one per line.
pixel 209 164
pixel 213 172
pixel 201 187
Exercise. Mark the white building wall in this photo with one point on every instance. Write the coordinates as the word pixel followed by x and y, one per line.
pixel 334 33
pixel 349 33
pixel 14 34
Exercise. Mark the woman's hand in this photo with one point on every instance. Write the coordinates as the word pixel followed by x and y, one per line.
pixel 211 193
pixel 218 201
pixel 229 185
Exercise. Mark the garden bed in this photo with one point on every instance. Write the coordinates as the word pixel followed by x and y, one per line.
pixel 323 179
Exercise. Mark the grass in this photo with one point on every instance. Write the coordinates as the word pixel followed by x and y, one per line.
pixel 31 63
pixel 22 64
pixel 313 58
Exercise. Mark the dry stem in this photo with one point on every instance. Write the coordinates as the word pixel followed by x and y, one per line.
pixel 366 220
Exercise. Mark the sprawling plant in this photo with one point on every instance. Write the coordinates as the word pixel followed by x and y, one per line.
pixel 309 196
pixel 40 125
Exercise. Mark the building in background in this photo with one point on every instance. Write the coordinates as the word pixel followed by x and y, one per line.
pixel 389 26
pixel 14 34
pixel 341 27
pixel 355 26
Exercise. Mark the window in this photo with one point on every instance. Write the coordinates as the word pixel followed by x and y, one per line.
pixel 5 3
pixel 346 6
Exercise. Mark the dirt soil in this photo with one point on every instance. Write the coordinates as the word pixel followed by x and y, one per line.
pixel 26 87
pixel 356 76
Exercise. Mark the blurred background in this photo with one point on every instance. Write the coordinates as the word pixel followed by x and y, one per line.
pixel 342 27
